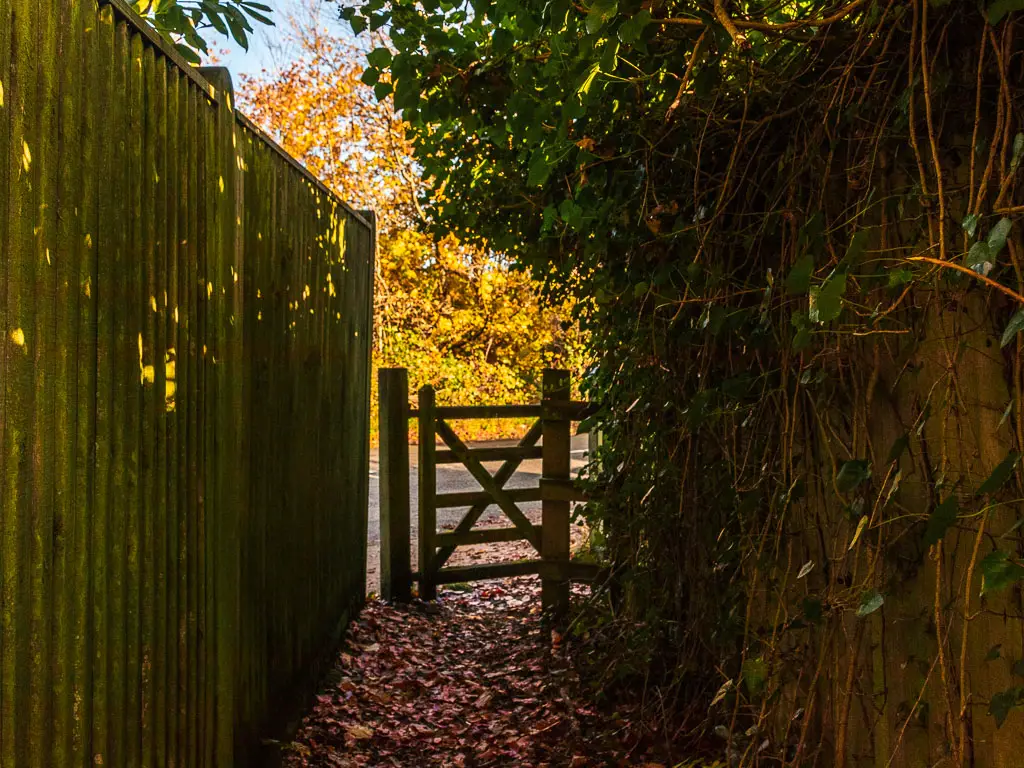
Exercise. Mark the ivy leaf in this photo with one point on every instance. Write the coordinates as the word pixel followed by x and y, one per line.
pixel 943 516
pixel 1013 328
pixel 539 170
pixel 755 672
pixel 998 571
pixel 858 244
pixel 980 258
pixel 994 652
pixel 970 224
pixel 870 602
pixel 999 9
pixel 899 445
pixel 1000 474
pixel 997 237
pixel 827 301
pixel 633 27
pixel 600 11
pixel 1018 151
pixel 798 281
pixel 1000 704
pixel 807 568
pixel 898 277
pixel 851 474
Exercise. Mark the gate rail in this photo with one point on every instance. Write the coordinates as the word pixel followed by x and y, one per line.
pixel 556 490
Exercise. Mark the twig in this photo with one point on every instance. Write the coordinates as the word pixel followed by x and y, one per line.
pixel 738 38
pixel 761 26
pixel 959 268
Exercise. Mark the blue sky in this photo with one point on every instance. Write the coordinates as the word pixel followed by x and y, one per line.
pixel 267 49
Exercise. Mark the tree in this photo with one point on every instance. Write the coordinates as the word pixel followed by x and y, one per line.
pixel 455 314
pixel 185 23
pixel 799 223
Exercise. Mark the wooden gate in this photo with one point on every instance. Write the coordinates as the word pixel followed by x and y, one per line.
pixel 549 439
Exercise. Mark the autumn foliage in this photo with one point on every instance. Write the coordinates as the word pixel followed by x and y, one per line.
pixel 457 317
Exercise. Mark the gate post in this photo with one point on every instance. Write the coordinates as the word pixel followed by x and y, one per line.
pixel 393 419
pixel 427 492
pixel 555 465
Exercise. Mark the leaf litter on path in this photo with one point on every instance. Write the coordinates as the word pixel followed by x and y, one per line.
pixel 471 681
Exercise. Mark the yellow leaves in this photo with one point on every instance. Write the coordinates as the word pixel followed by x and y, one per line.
pixel 18 337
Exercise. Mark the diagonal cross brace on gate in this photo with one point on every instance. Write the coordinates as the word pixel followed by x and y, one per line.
pixel 556 490
pixel 464 530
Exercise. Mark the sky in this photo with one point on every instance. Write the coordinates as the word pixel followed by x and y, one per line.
pixel 267 49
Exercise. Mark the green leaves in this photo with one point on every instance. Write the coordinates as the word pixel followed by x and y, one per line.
pixel 798 281
pixel 755 673
pixel 1000 705
pixel 982 255
pixel 851 474
pixel 870 602
pixel 599 13
pixel 998 571
pixel 943 516
pixel 540 170
pixel 181 23
pixel 634 26
pixel 1012 328
pixel 998 9
pixel 1000 474
pixel 827 301
pixel 379 58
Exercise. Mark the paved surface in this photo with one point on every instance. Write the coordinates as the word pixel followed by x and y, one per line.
pixel 452 478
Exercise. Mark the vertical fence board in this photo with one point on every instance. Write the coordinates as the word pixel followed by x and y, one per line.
pixel 66 263
pixel 99 576
pixel 21 386
pixel 43 519
pixel 85 411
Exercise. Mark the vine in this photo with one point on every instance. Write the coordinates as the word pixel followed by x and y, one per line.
pixel 797 224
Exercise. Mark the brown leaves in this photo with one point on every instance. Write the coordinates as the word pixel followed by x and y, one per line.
pixel 476 681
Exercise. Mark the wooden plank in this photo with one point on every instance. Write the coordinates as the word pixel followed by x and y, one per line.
pixel 562 490
pixel 46 523
pixel 395 554
pixel 573 410
pixel 487 482
pixel 472 498
pixel 490 454
pixel 451 412
pixel 136 437
pixel 492 571
pixel 427 491
pixel 555 512
pixel 482 536
pixel 505 471
pixel 572 571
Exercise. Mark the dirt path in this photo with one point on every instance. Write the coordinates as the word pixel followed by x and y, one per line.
pixel 474 680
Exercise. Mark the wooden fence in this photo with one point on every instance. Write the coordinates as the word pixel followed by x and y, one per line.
pixel 556 490
pixel 184 400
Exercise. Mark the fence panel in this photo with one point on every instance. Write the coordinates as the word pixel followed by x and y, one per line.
pixel 184 402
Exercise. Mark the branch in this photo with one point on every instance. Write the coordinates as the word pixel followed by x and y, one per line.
pixel 761 26
pixel 738 38
pixel 960 268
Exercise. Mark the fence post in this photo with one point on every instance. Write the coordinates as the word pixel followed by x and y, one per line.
pixel 395 554
pixel 555 465
pixel 427 492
